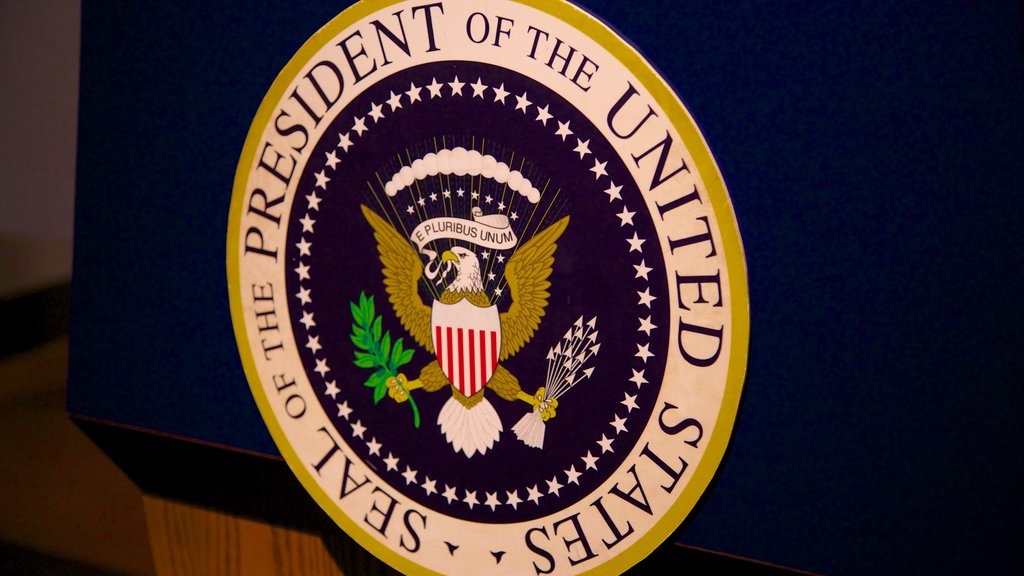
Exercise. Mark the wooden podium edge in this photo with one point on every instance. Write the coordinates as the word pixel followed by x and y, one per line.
pixel 215 510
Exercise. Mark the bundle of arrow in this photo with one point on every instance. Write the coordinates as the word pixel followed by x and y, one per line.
pixel 566 368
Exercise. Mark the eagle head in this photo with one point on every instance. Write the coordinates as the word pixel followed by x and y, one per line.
pixel 467 270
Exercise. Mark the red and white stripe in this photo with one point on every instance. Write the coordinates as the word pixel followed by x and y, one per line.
pixel 468 357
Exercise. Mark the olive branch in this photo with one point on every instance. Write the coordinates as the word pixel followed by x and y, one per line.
pixel 378 352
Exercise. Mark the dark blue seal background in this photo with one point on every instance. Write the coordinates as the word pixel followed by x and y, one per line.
pixel 593 275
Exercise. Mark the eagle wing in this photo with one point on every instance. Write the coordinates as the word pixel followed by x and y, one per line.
pixel 402 273
pixel 527 274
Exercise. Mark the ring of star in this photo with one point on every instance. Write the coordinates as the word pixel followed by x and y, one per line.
pixel 580 146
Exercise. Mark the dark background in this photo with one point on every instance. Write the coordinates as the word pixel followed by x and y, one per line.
pixel 874 153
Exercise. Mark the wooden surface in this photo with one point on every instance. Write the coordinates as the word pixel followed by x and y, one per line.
pixel 188 540
pixel 191 540
pixel 59 494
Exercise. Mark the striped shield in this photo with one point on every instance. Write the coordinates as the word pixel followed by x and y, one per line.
pixel 467 340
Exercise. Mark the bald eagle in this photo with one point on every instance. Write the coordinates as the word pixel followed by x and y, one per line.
pixel 468 420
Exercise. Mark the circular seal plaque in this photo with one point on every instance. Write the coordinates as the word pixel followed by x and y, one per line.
pixel 488 288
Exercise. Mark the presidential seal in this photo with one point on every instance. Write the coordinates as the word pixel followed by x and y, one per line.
pixel 487 287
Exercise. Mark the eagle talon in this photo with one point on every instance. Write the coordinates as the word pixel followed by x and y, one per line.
pixel 399 387
pixel 544 406
pixel 547 409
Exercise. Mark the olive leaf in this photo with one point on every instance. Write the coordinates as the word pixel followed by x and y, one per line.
pixel 375 350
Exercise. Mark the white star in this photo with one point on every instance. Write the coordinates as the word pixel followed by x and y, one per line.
pixel 563 130
pixel 344 141
pixel 343 410
pixel 409 209
pixel 307 223
pixel 490 276
pixel 498 291
pixel 307 320
pixel 421 202
pixel 543 115
pixel 377 111
pixel 395 101
pixel 646 325
pixel 522 103
pixel 514 216
pixel 646 298
pixel 358 429
pixel 572 475
pixel 606 444
pixel 501 206
pixel 374 447
pixel 460 192
pixel 619 423
pixel 332 389
pixel 630 403
pixel 590 460
pixel 332 159
pixel 486 254
pixel 433 196
pixel 512 499
pixel 359 126
pixel 413 93
pixel 643 351
pixel 447 193
pixel 501 258
pixel 613 192
pixel 449 493
pixel 598 169
pixel 435 88
pixel 478 88
pixel 313 343
pixel 554 486
pixel 304 247
pixel 314 201
pixel 638 378
pixel 456 86
pixel 321 367
pixel 500 94
pixel 303 271
pixel 582 148
pixel 474 195
pixel 492 501
pixel 321 179
pixel 488 199
pixel 642 269
pixel 391 462
pixel 533 495
pixel 470 498
pixel 429 486
pixel 635 243
pixel 626 216
pixel 303 296
pixel 409 475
